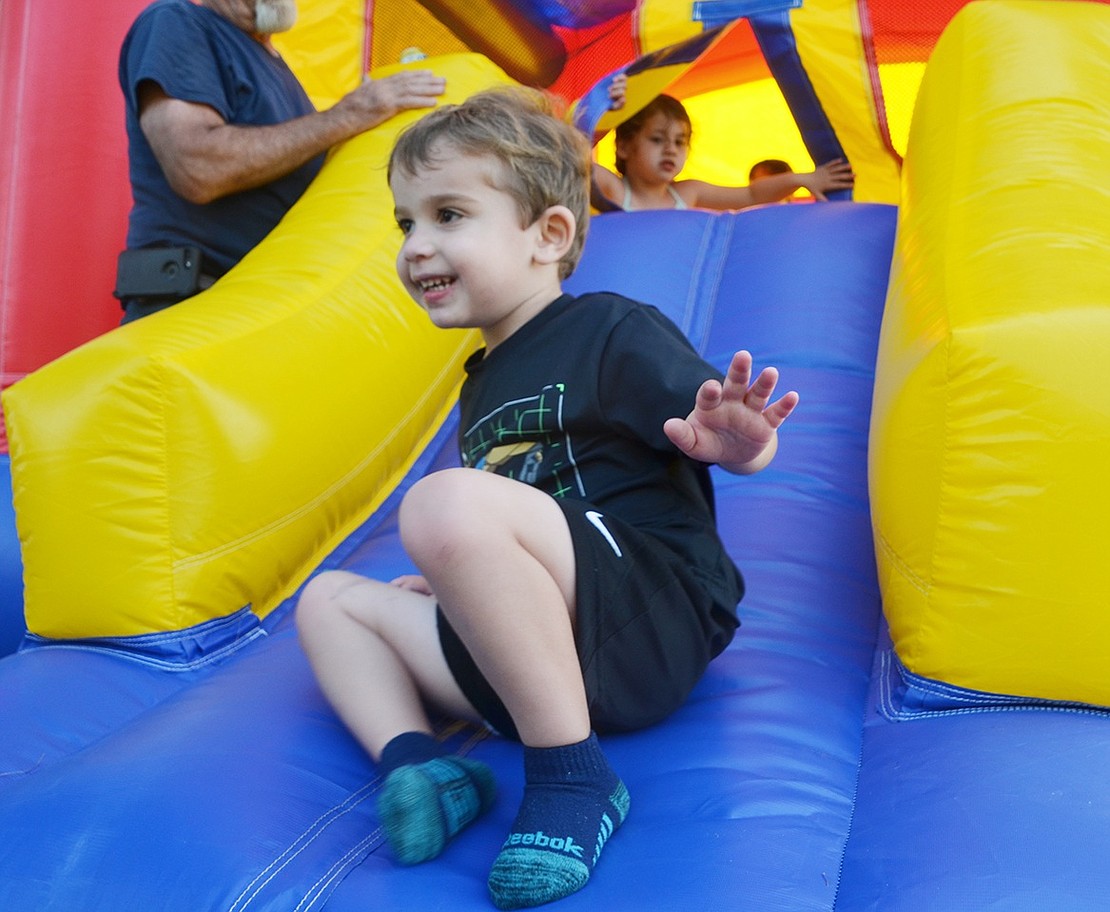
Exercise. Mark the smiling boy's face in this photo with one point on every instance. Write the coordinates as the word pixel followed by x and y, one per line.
pixel 466 258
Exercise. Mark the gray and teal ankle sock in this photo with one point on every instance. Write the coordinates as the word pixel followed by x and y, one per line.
pixel 429 796
pixel 573 801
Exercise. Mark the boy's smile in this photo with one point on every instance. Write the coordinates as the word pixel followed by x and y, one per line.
pixel 466 258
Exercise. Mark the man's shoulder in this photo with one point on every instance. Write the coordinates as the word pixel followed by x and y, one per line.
pixel 168 22
pixel 167 11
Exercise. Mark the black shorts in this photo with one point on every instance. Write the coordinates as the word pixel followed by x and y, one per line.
pixel 646 628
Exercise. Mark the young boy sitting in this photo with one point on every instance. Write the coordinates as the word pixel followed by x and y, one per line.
pixel 576 583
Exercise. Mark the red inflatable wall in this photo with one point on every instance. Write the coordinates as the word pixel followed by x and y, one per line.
pixel 63 177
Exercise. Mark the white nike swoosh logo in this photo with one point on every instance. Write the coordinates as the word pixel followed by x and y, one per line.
pixel 595 519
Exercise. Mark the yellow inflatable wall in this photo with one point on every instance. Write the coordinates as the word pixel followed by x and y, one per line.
pixel 990 441
pixel 326 48
pixel 206 458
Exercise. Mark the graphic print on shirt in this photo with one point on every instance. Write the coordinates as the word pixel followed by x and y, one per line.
pixel 524 439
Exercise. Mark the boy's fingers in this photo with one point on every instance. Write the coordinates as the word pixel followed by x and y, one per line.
pixel 680 433
pixel 777 413
pixel 709 395
pixel 741 365
pixel 760 391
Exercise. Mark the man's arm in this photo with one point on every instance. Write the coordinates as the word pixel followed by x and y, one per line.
pixel 205 158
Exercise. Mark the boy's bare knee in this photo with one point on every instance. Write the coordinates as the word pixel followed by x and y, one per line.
pixel 317 601
pixel 459 513
pixel 435 491
pixel 439 507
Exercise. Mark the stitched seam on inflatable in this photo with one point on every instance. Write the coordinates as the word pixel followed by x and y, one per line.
pixel 317 828
pixel 902 567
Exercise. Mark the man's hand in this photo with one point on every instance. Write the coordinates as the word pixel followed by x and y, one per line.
pixel 377 100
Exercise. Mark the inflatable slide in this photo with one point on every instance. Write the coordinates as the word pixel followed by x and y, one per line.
pixel 913 714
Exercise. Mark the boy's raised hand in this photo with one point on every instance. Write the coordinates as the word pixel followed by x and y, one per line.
pixel 734 423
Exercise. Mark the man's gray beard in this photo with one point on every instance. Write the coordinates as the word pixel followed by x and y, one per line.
pixel 273 16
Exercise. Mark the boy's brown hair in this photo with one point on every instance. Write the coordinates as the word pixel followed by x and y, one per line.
pixel 545 161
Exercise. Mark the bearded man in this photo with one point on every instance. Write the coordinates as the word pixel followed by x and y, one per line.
pixel 223 140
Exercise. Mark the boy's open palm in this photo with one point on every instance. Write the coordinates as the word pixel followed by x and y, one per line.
pixel 734 423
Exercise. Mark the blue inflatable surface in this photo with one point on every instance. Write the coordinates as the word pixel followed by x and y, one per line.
pixel 11 567
pixel 783 784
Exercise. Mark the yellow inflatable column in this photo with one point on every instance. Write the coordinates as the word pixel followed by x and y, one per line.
pixel 990 442
pixel 206 458
pixel 832 47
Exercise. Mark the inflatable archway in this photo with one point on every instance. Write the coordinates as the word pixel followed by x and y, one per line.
pixel 166 746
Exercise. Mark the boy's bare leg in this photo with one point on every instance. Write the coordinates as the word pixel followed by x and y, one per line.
pixel 499 556
pixel 375 650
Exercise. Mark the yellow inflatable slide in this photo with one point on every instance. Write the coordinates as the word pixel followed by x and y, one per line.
pixel 146 489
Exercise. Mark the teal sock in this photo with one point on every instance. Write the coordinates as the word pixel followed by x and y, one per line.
pixel 573 802
pixel 423 805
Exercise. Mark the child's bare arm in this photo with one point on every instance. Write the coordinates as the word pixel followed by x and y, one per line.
pixel 734 423
pixel 607 183
pixel 833 175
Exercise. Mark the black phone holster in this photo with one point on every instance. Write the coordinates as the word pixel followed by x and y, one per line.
pixel 161 273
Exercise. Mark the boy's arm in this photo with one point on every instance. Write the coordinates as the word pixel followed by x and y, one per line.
pixel 734 423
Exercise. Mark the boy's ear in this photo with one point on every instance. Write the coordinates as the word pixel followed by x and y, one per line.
pixel 557 226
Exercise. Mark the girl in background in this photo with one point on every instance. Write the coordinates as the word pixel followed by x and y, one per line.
pixel 651 151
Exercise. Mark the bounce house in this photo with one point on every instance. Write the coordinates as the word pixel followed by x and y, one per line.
pixel 915 713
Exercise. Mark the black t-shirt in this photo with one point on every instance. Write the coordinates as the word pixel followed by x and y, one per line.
pixel 574 402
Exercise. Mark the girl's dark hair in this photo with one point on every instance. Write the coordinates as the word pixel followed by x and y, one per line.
pixel 669 107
